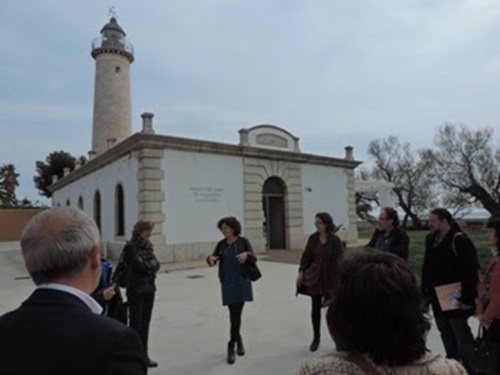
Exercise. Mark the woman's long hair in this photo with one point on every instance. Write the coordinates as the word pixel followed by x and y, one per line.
pixel 376 310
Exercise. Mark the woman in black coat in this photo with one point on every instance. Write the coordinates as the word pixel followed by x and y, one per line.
pixel 317 270
pixel 142 267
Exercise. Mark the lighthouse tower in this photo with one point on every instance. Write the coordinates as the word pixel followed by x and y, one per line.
pixel 113 55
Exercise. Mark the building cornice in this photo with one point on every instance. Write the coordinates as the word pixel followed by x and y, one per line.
pixel 140 141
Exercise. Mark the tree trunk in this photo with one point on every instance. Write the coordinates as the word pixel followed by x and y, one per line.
pixel 489 204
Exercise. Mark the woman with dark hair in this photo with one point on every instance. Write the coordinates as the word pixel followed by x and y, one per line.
pixel 377 323
pixel 233 253
pixel 488 302
pixel 317 269
pixel 142 266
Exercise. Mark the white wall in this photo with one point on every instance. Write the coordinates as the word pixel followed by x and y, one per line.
pixel 324 189
pixel 200 189
pixel 122 171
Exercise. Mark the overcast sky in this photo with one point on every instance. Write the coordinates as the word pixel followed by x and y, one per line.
pixel 331 72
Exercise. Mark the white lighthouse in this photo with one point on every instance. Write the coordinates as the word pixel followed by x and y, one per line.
pixel 113 55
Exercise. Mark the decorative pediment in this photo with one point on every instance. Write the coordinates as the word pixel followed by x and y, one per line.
pixel 269 136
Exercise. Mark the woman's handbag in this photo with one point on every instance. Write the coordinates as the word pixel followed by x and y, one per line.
pixel 121 274
pixel 486 354
pixel 118 308
pixel 311 275
pixel 252 271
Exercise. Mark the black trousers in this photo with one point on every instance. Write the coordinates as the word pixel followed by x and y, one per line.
pixel 140 310
pixel 316 302
pixel 235 311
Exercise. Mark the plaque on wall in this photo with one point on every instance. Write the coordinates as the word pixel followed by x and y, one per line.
pixel 271 140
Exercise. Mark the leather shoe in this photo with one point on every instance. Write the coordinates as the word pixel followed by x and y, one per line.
pixel 314 345
pixel 152 363
pixel 231 358
pixel 240 349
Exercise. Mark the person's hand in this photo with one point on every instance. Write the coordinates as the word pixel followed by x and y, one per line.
pixel 300 278
pixel 212 260
pixel 425 304
pixel 242 257
pixel 109 292
pixel 465 307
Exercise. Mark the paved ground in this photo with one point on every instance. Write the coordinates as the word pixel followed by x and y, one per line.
pixel 189 330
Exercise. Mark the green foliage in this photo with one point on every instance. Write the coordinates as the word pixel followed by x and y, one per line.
pixel 54 164
pixel 8 184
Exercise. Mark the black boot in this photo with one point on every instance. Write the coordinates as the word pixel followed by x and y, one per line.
pixel 152 363
pixel 240 349
pixel 230 352
pixel 314 344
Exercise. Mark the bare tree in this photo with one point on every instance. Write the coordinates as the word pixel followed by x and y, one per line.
pixel 466 162
pixel 409 172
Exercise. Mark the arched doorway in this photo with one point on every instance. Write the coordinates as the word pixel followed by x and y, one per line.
pixel 273 202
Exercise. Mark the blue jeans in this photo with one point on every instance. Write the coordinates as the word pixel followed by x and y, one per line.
pixel 458 340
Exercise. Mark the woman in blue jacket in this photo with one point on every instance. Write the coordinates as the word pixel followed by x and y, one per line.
pixel 232 254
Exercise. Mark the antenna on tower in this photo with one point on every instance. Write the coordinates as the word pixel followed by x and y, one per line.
pixel 111 12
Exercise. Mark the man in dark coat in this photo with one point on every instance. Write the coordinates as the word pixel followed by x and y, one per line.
pixel 451 258
pixel 389 236
pixel 58 329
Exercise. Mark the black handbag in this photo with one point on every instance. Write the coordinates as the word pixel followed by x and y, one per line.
pixel 117 308
pixel 252 271
pixel 122 271
pixel 486 354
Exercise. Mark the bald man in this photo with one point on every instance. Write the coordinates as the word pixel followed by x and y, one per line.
pixel 58 329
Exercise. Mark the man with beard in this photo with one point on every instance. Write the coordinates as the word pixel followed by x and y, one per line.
pixel 451 258
pixel 388 236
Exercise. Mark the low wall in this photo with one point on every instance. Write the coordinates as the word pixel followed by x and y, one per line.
pixel 13 221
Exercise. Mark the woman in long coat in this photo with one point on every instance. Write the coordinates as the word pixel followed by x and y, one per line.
pixel 233 254
pixel 143 266
pixel 317 269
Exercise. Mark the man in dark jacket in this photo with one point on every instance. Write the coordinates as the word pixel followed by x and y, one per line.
pixel 450 257
pixel 389 236
pixel 58 330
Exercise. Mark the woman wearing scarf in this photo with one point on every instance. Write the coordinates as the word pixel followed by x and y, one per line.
pixel 142 268
pixel 488 304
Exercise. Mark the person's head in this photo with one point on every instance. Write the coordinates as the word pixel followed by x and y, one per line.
pixel 441 221
pixel 143 229
pixel 388 219
pixel 493 231
pixel 375 309
pixel 229 226
pixel 324 222
pixel 62 245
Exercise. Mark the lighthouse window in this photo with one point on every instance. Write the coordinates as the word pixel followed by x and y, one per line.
pixel 117 69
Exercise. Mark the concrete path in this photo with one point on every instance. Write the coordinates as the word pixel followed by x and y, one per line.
pixel 190 328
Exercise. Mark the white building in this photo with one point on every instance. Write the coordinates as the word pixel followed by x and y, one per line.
pixel 186 185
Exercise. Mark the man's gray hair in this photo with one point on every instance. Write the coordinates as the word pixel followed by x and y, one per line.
pixel 58 243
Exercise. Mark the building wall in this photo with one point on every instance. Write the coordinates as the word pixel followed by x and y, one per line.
pixel 199 190
pixel 123 171
pixel 325 189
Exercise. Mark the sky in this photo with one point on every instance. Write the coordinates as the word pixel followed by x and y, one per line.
pixel 332 72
